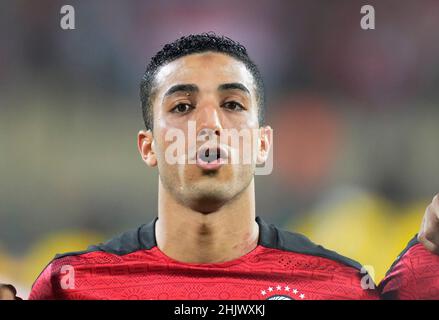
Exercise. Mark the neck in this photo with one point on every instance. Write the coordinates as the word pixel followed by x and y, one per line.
pixel 190 236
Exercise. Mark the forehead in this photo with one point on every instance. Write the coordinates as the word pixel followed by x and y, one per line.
pixel 203 69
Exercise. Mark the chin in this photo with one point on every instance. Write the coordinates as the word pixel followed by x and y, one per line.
pixel 208 200
pixel 212 194
pixel 206 205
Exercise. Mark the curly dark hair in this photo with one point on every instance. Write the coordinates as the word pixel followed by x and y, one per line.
pixel 196 43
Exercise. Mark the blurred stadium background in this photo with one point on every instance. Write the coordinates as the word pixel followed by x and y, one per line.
pixel 355 117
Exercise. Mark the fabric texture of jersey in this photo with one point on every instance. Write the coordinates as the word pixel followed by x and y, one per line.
pixel 413 276
pixel 283 266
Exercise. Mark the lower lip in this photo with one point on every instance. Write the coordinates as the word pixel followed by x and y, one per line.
pixel 213 165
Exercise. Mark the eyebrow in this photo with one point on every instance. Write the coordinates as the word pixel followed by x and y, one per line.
pixel 233 86
pixel 181 88
pixel 190 88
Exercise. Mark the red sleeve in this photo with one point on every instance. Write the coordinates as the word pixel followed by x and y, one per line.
pixel 54 281
pixel 414 275
pixel 42 288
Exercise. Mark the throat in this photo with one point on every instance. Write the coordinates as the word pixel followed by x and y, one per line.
pixel 207 244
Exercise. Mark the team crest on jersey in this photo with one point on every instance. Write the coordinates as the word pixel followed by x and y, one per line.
pixel 279 292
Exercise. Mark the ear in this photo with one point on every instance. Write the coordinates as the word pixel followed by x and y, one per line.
pixel 264 144
pixel 145 144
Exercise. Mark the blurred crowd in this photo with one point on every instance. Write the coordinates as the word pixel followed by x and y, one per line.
pixel 354 114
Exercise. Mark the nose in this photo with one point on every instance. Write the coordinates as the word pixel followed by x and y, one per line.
pixel 208 121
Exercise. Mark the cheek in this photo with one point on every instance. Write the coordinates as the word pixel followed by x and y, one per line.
pixel 171 141
pixel 253 122
pixel 166 122
pixel 242 121
pixel 251 119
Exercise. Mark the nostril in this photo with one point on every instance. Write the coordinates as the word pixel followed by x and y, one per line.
pixel 210 154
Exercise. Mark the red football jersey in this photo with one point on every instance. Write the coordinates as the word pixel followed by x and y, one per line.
pixel 414 275
pixel 283 266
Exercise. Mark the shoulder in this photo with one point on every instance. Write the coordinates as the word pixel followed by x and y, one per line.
pixel 413 275
pixel 139 238
pixel 411 246
pixel 111 251
pixel 276 238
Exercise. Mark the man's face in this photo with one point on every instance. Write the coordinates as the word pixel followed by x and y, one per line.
pixel 214 93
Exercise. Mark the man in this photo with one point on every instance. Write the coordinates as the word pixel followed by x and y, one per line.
pixel 8 292
pixel 206 242
pixel 415 273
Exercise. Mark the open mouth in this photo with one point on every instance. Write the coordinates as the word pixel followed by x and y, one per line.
pixel 211 158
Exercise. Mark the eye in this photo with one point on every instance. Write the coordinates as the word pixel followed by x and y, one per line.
pixel 233 106
pixel 182 108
